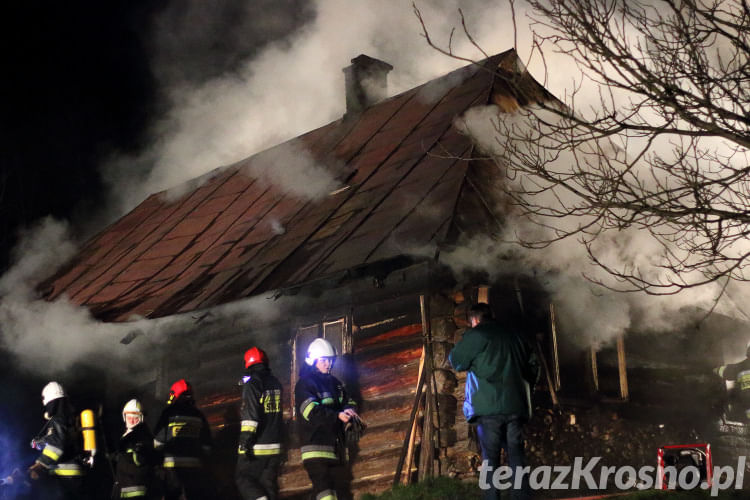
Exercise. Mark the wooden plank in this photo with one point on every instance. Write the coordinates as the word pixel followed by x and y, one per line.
pixel 594 367
pixel 555 353
pixel 406 478
pixel 622 367
pixel 427 451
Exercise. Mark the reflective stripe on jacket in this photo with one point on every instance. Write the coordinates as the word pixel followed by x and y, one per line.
pixel 183 435
pixel 261 415
pixel 320 398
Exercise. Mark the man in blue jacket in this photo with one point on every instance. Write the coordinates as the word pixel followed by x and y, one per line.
pixel 503 370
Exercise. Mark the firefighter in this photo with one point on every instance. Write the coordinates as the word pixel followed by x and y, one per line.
pixel 323 408
pixel 739 373
pixel 183 436
pixel 135 455
pixel 60 445
pixel 261 427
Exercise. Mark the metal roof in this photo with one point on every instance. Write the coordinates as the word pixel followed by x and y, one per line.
pixel 403 167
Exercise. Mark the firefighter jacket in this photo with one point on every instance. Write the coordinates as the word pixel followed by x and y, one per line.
pixel 503 369
pixel 320 397
pixel 182 434
pixel 740 374
pixel 135 462
pixel 261 415
pixel 60 441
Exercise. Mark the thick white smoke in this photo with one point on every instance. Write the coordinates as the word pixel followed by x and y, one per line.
pixel 594 313
pixel 50 337
pixel 288 88
pixel 295 86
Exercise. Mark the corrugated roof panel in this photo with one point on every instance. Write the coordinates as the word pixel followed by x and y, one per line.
pixel 214 205
pixel 167 247
pixel 111 292
pixel 213 255
pixel 428 172
pixel 370 122
pixel 142 269
pixel 142 308
pixel 232 260
pixel 67 281
pixel 247 199
pixel 214 283
pixel 331 226
pixel 236 184
pixel 235 236
pixel 388 175
pixel 350 254
pixel 177 267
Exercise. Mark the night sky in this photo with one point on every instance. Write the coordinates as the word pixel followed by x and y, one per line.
pixel 84 80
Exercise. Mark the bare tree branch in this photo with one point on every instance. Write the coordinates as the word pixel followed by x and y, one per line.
pixel 662 147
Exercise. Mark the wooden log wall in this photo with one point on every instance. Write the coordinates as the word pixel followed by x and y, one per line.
pixel 460 455
pixel 386 344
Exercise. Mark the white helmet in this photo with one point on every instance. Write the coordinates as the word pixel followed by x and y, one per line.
pixel 319 348
pixel 52 391
pixel 132 406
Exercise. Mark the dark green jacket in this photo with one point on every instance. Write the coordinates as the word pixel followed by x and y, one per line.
pixel 503 369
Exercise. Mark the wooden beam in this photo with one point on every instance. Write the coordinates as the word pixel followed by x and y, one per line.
pixel 594 367
pixel 412 425
pixel 547 374
pixel 406 477
pixel 555 353
pixel 622 367
pixel 483 295
pixel 427 449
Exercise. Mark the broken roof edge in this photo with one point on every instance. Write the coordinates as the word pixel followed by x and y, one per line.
pixel 379 281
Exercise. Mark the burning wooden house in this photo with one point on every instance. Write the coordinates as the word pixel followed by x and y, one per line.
pixel 360 267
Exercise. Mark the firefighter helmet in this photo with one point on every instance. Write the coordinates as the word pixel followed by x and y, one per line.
pixel 132 407
pixel 179 388
pixel 319 348
pixel 52 391
pixel 253 356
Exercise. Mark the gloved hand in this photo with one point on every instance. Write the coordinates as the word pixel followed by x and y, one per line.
pixel 354 429
pixel 37 445
pixel 35 470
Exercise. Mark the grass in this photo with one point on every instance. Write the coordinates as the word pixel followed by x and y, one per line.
pixel 685 495
pixel 444 488
pixel 439 488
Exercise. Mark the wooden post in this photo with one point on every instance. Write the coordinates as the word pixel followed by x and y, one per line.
pixel 622 367
pixel 594 367
pixel 412 425
pixel 427 451
pixel 406 477
pixel 555 354
pixel 547 375
pixel 483 295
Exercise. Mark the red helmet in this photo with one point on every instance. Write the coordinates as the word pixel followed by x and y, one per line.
pixel 179 388
pixel 253 356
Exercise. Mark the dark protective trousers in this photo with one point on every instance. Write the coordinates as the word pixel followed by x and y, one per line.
pixel 66 488
pixel 257 477
pixel 330 479
pixel 497 432
pixel 188 481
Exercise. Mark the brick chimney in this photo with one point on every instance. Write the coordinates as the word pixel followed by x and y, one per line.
pixel 366 83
